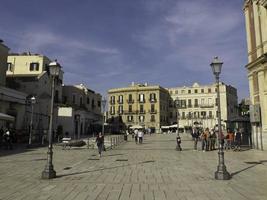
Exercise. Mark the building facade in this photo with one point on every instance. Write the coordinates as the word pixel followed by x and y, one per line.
pixel 256 28
pixel 80 111
pixel 29 73
pixel 139 104
pixel 197 105
pixel 12 102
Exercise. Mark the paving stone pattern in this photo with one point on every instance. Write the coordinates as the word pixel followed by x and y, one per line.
pixel 153 170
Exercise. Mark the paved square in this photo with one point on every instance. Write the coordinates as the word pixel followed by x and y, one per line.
pixel 152 170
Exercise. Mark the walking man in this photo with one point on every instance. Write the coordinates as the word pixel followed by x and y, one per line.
pixel 195 135
pixel 100 143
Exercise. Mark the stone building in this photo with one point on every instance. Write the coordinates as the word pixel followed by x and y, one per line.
pixel 197 104
pixel 256 28
pixel 139 104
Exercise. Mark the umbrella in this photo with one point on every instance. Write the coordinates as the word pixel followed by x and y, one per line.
pixel 6 117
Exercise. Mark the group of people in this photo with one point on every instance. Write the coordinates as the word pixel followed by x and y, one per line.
pixel 138 136
pixel 208 139
pixel 6 138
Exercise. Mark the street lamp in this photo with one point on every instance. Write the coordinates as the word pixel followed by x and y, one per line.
pixel 49 172
pixel 103 102
pixel 221 173
pixel 33 101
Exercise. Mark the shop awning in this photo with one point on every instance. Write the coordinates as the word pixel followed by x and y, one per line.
pixel 6 117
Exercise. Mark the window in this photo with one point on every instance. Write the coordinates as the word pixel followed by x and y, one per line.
pixel 176 91
pixel 120 109
pixel 141 118
pixel 202 90
pixel 170 92
pixel 73 98
pixel 81 101
pixel 196 91
pixel 88 100
pixel 65 99
pixel 112 100
pixel 196 102
pixel 189 103
pixel 34 66
pixel 93 103
pixel 99 104
pixel 9 67
pixel 189 91
pixel 182 91
pixel 141 98
pixel 130 109
pixel 130 98
pixel 130 118
pixel 215 89
pixel 203 113
pixel 152 119
pixel 112 110
pixel 120 99
pixel 209 90
pixel 141 108
pixel 210 114
pixel 152 107
pixel 152 97
pixel 202 101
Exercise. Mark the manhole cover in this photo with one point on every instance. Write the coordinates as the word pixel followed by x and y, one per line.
pixel 122 160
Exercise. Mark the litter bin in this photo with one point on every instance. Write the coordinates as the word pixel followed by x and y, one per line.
pixel 125 137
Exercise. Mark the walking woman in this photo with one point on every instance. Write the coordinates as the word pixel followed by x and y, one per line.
pixel 100 143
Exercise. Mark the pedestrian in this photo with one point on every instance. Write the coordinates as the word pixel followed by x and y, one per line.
pixel 178 141
pixel 8 139
pixel 195 136
pixel 136 136
pixel 208 139
pixel 1 136
pixel 140 136
pixel 238 139
pixel 203 138
pixel 212 139
pixel 229 139
pixel 100 143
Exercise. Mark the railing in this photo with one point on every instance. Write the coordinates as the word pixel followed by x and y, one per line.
pixel 130 101
pixel 206 105
pixel 141 101
pixel 120 102
pixel 153 100
pixel 153 111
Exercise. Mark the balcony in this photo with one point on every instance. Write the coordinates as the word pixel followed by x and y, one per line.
pixel 120 112
pixel 130 101
pixel 153 111
pixel 142 112
pixel 120 102
pixel 153 100
pixel 196 105
pixel 141 100
pixel 111 102
pixel 206 105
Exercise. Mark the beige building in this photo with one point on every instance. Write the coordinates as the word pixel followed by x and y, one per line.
pixel 256 27
pixel 12 102
pixel 197 104
pixel 139 104
pixel 28 73
pixel 80 111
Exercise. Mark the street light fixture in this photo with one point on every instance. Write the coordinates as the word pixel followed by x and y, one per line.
pixel 103 102
pixel 49 172
pixel 33 101
pixel 221 173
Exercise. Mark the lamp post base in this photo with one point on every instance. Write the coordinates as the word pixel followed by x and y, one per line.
pixel 222 174
pixel 49 173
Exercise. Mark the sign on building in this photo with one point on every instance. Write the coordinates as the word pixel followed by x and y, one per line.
pixel 255 113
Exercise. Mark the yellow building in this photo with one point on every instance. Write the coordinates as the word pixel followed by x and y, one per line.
pixel 140 104
pixel 256 27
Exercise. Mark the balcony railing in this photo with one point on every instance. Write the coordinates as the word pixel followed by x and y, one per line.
pixel 130 101
pixel 141 100
pixel 111 102
pixel 206 105
pixel 120 102
pixel 152 100
pixel 142 112
pixel 153 111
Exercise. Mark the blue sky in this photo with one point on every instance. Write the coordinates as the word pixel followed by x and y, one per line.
pixel 111 43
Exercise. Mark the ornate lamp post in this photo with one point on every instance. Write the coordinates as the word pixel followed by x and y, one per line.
pixel 221 173
pixel 103 102
pixel 33 101
pixel 49 172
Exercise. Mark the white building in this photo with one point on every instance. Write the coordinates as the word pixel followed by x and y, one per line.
pixel 197 104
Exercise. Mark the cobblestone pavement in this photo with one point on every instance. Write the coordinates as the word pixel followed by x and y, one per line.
pixel 149 171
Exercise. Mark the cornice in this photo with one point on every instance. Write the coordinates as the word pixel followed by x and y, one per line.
pixel 262 59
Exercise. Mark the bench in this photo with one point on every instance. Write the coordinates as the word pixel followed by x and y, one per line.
pixel 66 142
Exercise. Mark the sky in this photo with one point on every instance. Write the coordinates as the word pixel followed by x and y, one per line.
pixel 107 44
